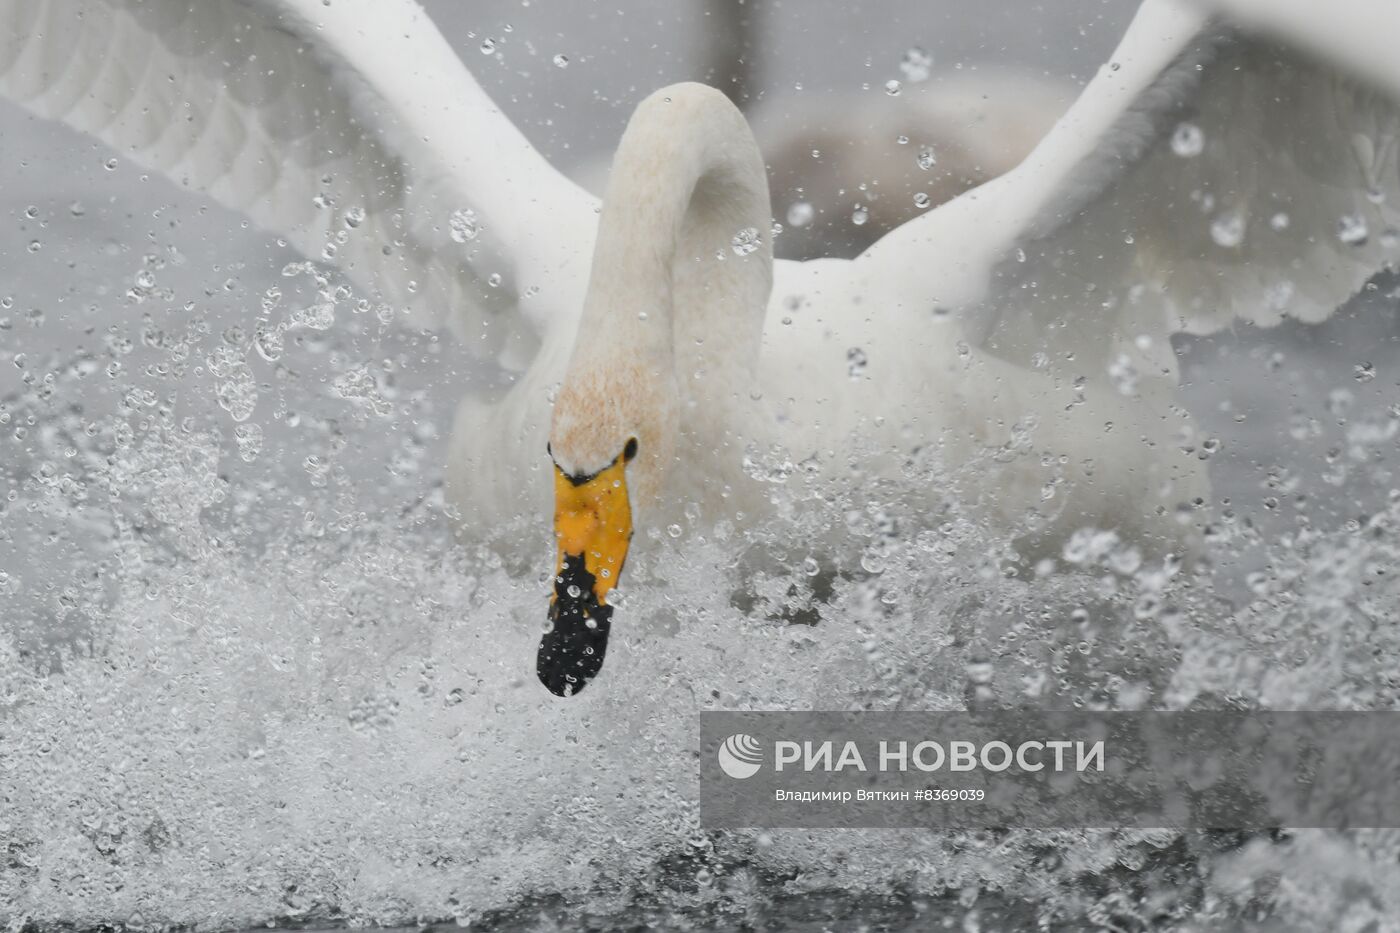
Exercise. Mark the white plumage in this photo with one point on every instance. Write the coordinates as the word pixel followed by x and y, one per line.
pixel 1206 175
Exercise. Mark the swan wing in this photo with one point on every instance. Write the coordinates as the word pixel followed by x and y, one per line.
pixel 1206 175
pixel 351 129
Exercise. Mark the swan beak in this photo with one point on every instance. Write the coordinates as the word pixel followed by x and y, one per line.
pixel 593 527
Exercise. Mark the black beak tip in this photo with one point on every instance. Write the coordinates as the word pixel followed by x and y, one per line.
pixel 571 654
pixel 561 683
pixel 572 651
pixel 556 682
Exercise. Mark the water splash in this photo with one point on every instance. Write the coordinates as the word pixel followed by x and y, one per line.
pixel 232 694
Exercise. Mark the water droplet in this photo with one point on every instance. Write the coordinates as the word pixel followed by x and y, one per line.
pixel 317 316
pixel 561 60
pixel 1227 229
pixel 746 241
pixel 1123 374
pixel 1279 222
pixel 800 214
pixel 1364 372
pixel 462 226
pixel 921 200
pixel 1187 140
pixel 494 280
pixel 916 65
pixel 269 344
pixel 110 165
pixel 354 216
pixel 926 159
pixel 855 362
pixel 238 396
pixel 35 246
pixel 893 87
pixel 673 530
pixel 249 438
pixel 1352 230
pixel 860 215
pixel 488 45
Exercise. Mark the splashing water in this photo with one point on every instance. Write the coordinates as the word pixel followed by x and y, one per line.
pixel 233 694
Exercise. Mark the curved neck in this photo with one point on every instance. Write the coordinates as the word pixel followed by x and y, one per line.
pixel 668 288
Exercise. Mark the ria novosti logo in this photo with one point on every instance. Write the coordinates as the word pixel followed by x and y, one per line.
pixel 740 756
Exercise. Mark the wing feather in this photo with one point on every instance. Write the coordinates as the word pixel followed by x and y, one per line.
pixel 1206 175
pixel 352 124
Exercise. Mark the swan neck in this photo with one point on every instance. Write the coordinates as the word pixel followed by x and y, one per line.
pixel 683 264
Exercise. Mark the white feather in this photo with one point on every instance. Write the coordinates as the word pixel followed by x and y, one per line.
pixel 270 105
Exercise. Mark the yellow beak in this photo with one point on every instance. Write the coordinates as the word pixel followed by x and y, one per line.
pixel 593 527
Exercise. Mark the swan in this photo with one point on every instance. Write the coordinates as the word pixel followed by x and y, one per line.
pixel 1207 174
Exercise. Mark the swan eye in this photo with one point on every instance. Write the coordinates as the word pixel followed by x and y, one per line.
pixel 629 451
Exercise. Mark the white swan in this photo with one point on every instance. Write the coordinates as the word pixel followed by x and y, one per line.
pixel 1203 176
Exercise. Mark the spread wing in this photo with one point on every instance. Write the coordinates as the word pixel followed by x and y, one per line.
pixel 350 128
pixel 1207 174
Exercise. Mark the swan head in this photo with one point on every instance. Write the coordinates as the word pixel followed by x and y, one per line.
pixel 613 432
